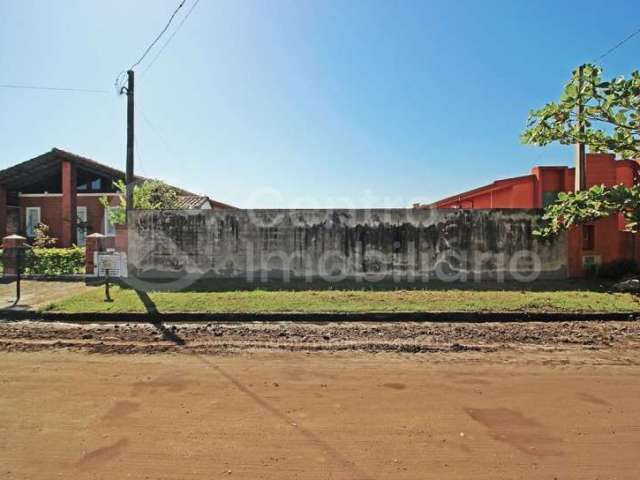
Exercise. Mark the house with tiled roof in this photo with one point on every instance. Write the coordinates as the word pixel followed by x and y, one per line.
pixel 62 190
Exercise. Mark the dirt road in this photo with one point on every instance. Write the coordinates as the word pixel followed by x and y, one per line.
pixel 408 337
pixel 543 413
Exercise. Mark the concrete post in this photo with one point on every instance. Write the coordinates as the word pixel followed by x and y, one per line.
pixel 95 243
pixel 11 245
pixel 69 202
pixel 122 238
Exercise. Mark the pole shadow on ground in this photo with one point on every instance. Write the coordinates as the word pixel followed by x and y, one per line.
pixel 156 321
pixel 168 334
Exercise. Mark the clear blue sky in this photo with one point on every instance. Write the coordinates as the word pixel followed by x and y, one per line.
pixel 273 103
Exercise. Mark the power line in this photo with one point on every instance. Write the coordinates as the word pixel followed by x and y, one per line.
pixel 155 130
pixel 615 47
pixel 184 19
pixel 158 36
pixel 56 89
pixel 136 146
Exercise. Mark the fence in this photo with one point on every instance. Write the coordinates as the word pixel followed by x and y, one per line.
pixel 409 244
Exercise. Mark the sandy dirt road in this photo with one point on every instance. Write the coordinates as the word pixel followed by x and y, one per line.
pixel 571 414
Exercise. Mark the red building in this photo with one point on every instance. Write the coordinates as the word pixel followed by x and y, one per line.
pixel 62 190
pixel 603 242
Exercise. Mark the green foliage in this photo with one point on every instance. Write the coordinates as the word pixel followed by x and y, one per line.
pixel 611 121
pixel 42 238
pixel 54 261
pixel 611 116
pixel 586 206
pixel 148 195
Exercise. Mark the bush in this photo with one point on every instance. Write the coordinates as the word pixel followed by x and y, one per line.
pixel 51 261
pixel 617 269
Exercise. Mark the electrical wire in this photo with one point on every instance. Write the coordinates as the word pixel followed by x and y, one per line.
pixel 184 19
pixel 158 36
pixel 139 159
pixel 154 130
pixel 616 46
pixel 56 89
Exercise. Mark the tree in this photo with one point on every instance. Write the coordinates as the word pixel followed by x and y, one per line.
pixel 42 238
pixel 148 195
pixel 586 206
pixel 611 114
pixel 611 123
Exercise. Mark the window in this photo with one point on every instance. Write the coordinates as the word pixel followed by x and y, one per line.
pixel 548 198
pixel 81 231
pixel 32 219
pixel 109 228
pixel 91 182
pixel 588 237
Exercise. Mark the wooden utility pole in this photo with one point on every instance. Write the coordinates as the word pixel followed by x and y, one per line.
pixel 581 174
pixel 130 138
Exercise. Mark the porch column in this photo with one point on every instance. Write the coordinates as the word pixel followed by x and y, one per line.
pixel 69 202
pixel 3 212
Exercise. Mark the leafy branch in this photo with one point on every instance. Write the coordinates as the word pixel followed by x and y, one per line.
pixel 610 114
pixel 608 121
pixel 148 195
pixel 586 206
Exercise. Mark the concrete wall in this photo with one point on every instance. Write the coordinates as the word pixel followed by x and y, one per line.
pixel 414 244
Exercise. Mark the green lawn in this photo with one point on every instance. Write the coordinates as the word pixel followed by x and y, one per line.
pixel 452 300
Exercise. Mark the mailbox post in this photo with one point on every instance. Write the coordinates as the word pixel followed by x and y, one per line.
pixel 13 248
pixel 105 264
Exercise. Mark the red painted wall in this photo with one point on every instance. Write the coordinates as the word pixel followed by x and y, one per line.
pixel 511 193
pixel 51 215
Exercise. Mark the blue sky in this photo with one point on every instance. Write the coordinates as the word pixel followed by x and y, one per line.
pixel 308 103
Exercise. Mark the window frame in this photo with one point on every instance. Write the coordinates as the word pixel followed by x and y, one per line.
pixel 26 220
pixel 80 208
pixel 106 223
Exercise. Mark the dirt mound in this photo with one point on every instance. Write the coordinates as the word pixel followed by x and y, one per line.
pixel 403 337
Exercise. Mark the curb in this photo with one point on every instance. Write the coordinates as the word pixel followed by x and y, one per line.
pixel 453 317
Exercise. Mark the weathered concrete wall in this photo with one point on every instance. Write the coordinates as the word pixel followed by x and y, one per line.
pixel 451 244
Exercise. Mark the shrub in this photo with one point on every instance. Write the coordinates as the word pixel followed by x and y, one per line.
pixel 43 239
pixel 51 261
pixel 54 261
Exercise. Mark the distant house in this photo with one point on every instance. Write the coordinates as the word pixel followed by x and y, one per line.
pixel 602 242
pixel 62 190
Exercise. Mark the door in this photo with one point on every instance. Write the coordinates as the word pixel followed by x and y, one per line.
pixel 81 231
